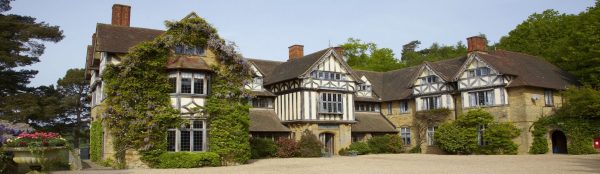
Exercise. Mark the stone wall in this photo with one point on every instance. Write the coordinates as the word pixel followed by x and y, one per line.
pixel 342 134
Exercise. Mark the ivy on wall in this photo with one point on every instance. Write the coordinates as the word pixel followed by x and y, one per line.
pixel 424 119
pixel 138 101
pixel 96 141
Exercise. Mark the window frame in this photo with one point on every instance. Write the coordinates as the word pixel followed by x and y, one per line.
pixel 404 106
pixel 426 102
pixel 194 77
pixel 192 130
pixel 431 135
pixel 261 102
pixel 488 99
pixel 405 135
pixel 189 50
pixel 331 103
pixel 548 97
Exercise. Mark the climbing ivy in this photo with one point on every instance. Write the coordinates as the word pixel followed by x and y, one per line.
pixel 424 119
pixel 138 102
pixel 96 141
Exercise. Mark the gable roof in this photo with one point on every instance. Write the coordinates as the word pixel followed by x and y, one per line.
pixel 265 67
pixel 118 39
pixel 294 68
pixel 528 70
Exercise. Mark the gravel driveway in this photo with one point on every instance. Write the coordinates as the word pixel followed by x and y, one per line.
pixel 400 163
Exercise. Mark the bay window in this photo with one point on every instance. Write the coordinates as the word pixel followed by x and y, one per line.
pixel 331 103
pixel 187 83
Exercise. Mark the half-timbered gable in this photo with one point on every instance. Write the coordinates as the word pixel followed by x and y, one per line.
pixel 364 89
pixel 481 84
pixel 257 79
pixel 431 91
pixel 429 82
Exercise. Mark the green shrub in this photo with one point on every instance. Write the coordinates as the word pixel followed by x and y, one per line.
pixel 287 148
pixel 309 145
pixel 498 138
pixel 343 152
pixel 385 144
pixel 540 143
pixel 461 136
pixel 96 141
pixel 188 159
pixel 360 147
pixel 455 139
pixel 262 148
pixel 416 149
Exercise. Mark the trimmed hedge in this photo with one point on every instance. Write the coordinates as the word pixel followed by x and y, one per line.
pixel 262 148
pixel 386 144
pixel 188 159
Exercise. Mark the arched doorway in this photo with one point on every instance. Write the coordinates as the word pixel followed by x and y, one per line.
pixel 559 142
pixel 327 140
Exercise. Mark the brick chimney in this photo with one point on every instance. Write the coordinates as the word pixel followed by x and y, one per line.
pixel 339 51
pixel 296 51
pixel 476 43
pixel 121 15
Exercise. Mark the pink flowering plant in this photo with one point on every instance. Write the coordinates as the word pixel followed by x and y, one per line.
pixel 37 139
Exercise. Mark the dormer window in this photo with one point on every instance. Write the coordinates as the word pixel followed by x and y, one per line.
pixel 328 75
pixel 257 81
pixel 189 50
pixel 364 87
pixel 430 79
pixel 481 71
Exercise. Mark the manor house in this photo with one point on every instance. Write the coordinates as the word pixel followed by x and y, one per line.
pixel 318 91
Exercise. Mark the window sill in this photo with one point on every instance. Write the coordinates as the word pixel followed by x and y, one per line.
pixel 187 94
pixel 331 113
pixel 486 106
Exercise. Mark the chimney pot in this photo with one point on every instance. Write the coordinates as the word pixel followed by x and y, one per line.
pixel 476 43
pixel 296 51
pixel 121 15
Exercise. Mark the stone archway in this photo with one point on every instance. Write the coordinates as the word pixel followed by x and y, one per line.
pixel 559 142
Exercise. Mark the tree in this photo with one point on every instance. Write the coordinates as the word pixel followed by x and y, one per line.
pixel 435 52
pixel 366 56
pixel 568 41
pixel 74 88
pixel 21 44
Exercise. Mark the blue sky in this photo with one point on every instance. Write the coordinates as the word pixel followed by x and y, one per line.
pixel 265 28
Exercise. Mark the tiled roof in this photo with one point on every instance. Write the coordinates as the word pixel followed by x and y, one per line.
pixel 529 70
pixel 265 67
pixel 372 122
pixel 265 120
pixel 293 68
pixel 188 63
pixel 118 39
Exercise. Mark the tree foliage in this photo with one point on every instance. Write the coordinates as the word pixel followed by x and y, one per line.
pixel 21 43
pixel 310 145
pixel 74 89
pixel 367 56
pixel 568 41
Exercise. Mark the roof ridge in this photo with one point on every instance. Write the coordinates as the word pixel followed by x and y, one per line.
pixel 110 25
pixel 266 60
